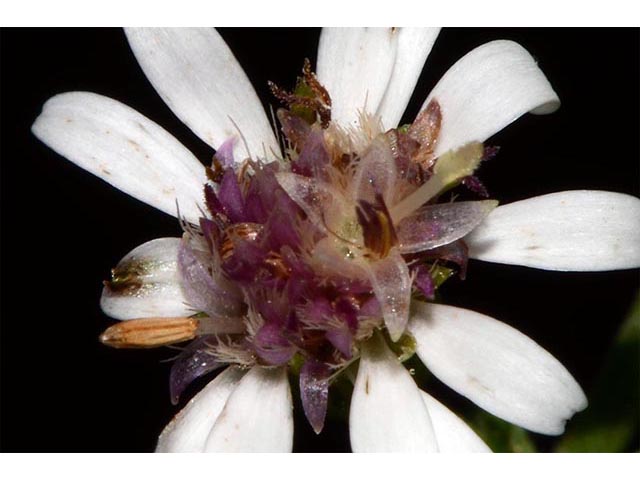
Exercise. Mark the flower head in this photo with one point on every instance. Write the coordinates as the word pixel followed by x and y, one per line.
pixel 315 253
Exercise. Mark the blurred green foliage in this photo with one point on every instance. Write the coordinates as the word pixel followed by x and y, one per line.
pixel 611 422
pixel 501 436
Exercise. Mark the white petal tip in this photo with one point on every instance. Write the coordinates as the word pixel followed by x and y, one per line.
pixel 581 230
pixel 547 108
pixel 496 367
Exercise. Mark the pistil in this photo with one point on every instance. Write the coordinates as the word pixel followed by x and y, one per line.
pixel 450 168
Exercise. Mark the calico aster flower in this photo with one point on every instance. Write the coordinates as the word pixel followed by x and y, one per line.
pixel 317 253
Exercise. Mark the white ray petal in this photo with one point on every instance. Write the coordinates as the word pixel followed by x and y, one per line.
pixel 579 230
pixel 147 284
pixel 387 412
pixel 486 90
pixel 189 429
pixel 414 46
pixel 123 148
pixel 258 416
pixel 453 434
pixel 496 367
pixel 197 76
pixel 355 65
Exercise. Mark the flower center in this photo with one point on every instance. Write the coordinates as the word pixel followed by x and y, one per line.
pixel 312 246
pixel 298 262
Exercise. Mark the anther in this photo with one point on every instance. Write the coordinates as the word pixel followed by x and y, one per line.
pixel 150 332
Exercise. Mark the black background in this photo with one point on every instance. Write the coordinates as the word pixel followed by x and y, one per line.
pixel 63 229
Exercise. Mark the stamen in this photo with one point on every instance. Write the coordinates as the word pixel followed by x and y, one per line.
pixel 450 167
pixel 245 231
pixel 277 265
pixel 377 229
pixel 215 171
pixel 161 331
pixel 150 332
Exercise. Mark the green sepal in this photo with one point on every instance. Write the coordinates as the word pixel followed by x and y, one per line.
pixel 441 274
pixel 404 348
pixel 295 364
pixel 303 90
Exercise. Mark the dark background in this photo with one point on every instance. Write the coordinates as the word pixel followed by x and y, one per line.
pixel 63 229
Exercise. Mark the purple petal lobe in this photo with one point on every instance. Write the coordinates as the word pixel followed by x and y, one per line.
pixel 342 340
pixel 242 265
pixel 194 361
pixel 456 252
pixel 313 158
pixel 432 226
pixel 391 284
pixel 212 234
pixel 212 201
pixel 294 128
pixel 424 282
pixel 272 346
pixel 347 311
pixel 316 311
pixel 224 154
pixel 281 230
pixel 313 196
pixel 263 194
pixel 370 308
pixel 490 152
pixel 231 197
pixel 216 297
pixel 314 392
pixel 474 184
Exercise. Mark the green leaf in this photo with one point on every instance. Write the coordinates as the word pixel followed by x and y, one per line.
pixel 610 423
pixel 501 436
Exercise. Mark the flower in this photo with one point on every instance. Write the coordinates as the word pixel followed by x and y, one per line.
pixel 248 321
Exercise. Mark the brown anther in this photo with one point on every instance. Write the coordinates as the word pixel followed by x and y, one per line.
pixel 417 175
pixel 378 232
pixel 277 266
pixel 342 161
pixel 150 332
pixel 215 172
pixel 244 231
